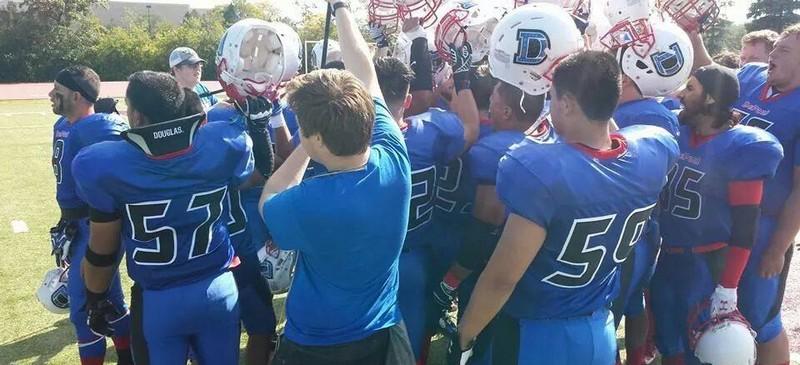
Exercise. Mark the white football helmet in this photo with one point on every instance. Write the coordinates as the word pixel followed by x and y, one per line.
pixel 665 67
pixel 470 21
pixel 726 340
pixel 529 42
pixel 277 267
pixel 334 53
pixel 630 26
pixel 53 291
pixel 255 56
pixel 691 14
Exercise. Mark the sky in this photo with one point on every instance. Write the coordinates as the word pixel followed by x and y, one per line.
pixel 736 13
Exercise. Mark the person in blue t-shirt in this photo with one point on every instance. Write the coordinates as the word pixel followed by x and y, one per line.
pixel 347 224
pixel 187 67
pixel 74 93
pixel 162 194
pixel 575 209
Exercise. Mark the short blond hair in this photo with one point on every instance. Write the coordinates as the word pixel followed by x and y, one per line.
pixel 335 105
pixel 765 36
pixel 791 30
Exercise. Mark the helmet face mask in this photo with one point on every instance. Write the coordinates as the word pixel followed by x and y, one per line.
pixel 52 294
pixel 691 14
pixel 425 10
pixel 255 56
pixel 630 26
pixel 383 13
pixel 529 42
pixel 637 34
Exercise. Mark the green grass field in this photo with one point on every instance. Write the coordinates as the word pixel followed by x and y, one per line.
pixel 28 333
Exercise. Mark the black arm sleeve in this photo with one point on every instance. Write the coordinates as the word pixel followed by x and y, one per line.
pixel 262 150
pixel 744 219
pixel 421 65
pixel 479 244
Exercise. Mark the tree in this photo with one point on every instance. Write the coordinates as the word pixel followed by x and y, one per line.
pixel 43 36
pixel 773 14
pixel 723 36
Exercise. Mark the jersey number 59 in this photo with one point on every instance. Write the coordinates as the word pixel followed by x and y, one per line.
pixel 578 253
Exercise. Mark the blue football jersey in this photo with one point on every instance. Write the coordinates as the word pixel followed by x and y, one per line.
pixel 485 155
pixel 69 139
pixel 779 115
pixel 247 233
pixel 646 111
pixel 594 207
pixel 433 138
pixel 174 208
pixel 695 209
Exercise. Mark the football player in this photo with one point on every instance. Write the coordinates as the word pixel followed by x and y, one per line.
pixel 576 208
pixel 768 99
pixel 74 93
pixel 166 203
pixel 711 209
pixel 662 70
pixel 249 108
pixel 434 138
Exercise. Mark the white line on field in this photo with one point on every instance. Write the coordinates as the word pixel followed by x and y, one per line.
pixel 21 113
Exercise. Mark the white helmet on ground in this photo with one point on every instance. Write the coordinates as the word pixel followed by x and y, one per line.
pixel 53 291
pixel 255 56
pixel 726 340
pixel 665 67
pixel 334 53
pixel 277 267
pixel 529 42
pixel 471 21
pixel 630 25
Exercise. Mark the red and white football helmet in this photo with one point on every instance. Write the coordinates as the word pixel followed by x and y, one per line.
pixel 468 21
pixel 630 26
pixel 691 14
pixel 255 56
pixel 724 340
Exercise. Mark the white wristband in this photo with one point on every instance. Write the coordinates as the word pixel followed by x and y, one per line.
pixel 277 121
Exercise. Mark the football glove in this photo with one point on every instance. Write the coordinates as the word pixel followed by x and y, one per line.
pixel 461 59
pixel 441 302
pixel 257 111
pixel 723 301
pixel 455 354
pixel 378 34
pixel 61 237
pixel 101 313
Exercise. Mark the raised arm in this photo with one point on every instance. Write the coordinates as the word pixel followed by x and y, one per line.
pixel 355 51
